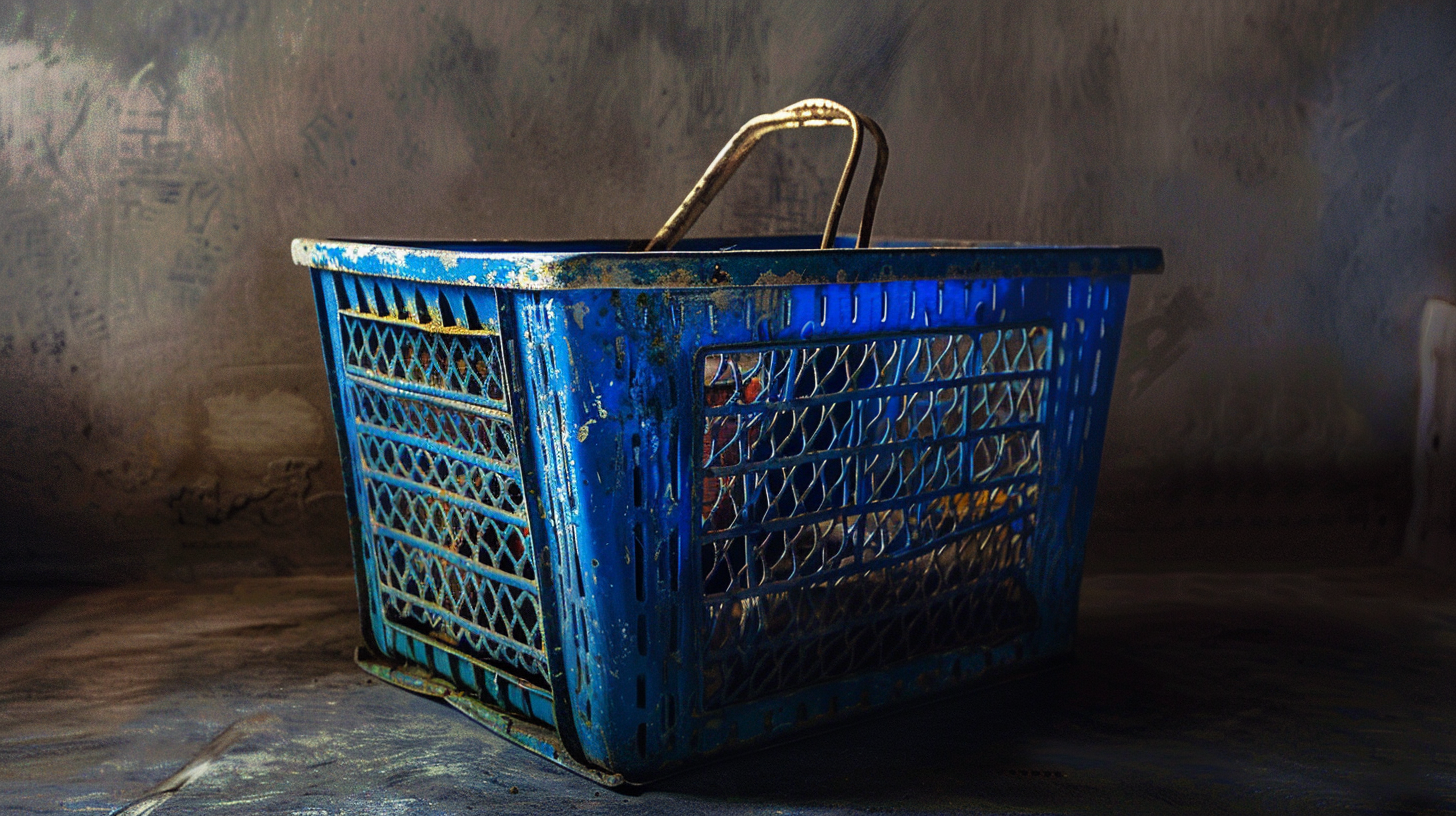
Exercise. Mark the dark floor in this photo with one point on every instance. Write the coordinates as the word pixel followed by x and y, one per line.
pixel 1297 693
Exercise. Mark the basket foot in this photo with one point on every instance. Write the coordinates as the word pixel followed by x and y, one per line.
pixel 534 738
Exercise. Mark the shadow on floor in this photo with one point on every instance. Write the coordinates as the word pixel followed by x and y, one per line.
pixel 1206 694
pixel 1191 693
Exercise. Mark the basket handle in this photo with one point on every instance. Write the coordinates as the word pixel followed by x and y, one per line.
pixel 806 113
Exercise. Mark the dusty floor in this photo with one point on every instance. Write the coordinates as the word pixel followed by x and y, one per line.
pixel 1191 694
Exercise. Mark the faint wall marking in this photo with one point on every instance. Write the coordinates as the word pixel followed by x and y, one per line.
pixel 52 152
pixel 28 245
pixel 329 144
pixel 150 162
pixel 213 232
pixel 276 422
pixel 1430 535
pixel 160 187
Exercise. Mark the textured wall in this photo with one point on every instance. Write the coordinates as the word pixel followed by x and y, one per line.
pixel 163 409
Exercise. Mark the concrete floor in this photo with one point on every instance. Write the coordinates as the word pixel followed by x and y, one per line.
pixel 1192 693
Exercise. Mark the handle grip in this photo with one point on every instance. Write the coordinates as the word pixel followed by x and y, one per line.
pixel 806 113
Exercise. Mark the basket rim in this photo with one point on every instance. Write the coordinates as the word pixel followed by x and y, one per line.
pixel 712 262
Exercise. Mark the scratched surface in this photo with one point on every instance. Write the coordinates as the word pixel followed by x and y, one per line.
pixel 1193 693
pixel 163 410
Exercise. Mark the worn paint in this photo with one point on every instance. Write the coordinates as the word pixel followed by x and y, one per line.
pixel 599 264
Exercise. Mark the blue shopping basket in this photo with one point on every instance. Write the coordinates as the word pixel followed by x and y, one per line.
pixel 630 509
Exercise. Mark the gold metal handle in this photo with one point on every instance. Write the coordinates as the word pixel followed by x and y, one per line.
pixel 807 113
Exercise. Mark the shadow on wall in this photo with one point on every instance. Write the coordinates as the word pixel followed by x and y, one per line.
pixel 163 408
pixel 1266 413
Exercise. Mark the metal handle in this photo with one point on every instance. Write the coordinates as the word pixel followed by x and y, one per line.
pixel 806 113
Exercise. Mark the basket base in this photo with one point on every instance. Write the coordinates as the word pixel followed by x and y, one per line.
pixel 534 738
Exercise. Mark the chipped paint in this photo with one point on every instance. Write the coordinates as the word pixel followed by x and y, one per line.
pixel 609 264
pixel 790 277
pixel 585 428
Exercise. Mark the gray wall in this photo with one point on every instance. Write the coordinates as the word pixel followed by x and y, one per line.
pixel 163 408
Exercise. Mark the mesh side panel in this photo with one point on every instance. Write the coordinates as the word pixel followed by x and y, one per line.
pixel 457 362
pixel 459 527
pixel 866 502
pixel 448 531
pixel 486 436
pixel 447 473
pixel 430 593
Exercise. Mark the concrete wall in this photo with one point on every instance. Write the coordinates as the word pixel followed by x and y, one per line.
pixel 163 408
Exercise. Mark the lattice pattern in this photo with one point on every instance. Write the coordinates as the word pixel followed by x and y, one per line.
pixel 451 361
pixel 792 373
pixel 856 494
pixel 968 591
pixel 442 471
pixel 451 546
pixel 460 606
pixel 481 434
pixel 453 526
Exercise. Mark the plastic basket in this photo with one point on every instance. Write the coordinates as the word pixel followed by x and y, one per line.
pixel 632 509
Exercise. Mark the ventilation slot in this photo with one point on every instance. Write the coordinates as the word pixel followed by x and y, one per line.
pixel 447 315
pixel 472 317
